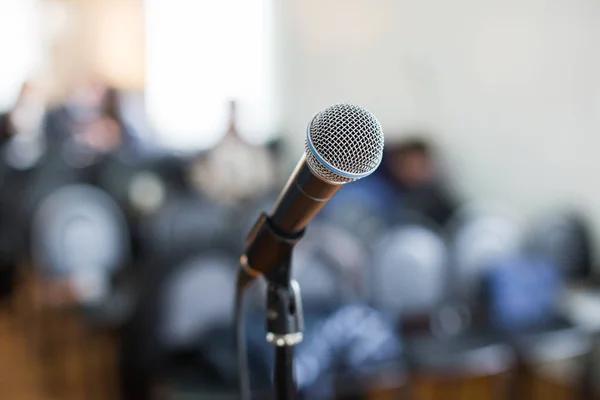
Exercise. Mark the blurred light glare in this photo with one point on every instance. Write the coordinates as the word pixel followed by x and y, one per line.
pixel 201 54
pixel 19 45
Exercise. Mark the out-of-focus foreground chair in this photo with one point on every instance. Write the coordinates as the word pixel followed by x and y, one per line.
pixel 445 359
pixel 559 357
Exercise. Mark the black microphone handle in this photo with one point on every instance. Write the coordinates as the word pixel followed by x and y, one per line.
pixel 302 198
pixel 270 243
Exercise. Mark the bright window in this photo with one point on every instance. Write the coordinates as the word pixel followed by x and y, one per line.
pixel 201 54
pixel 19 47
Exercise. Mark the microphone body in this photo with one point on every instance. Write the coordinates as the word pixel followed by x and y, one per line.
pixel 302 198
pixel 343 143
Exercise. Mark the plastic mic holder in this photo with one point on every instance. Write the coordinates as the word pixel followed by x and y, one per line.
pixel 269 253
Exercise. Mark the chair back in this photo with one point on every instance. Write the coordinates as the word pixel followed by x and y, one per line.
pixel 184 224
pixel 196 297
pixel 183 300
pixel 409 270
pixel 79 232
pixel 564 239
pixel 478 239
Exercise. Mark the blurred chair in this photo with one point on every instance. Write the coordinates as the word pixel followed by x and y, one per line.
pixel 331 266
pixel 141 186
pixel 12 227
pixel 351 353
pixel 523 295
pixel 80 245
pixel 409 271
pixel 20 157
pixel 79 231
pixel 114 176
pixel 480 235
pixel 173 169
pixel 182 225
pixel 188 249
pixel 350 350
pixel 564 239
pixel 409 280
pixel 488 240
pixel 555 364
pixel 180 341
pixel 198 295
pixel 140 192
pixel 52 174
pixel 353 215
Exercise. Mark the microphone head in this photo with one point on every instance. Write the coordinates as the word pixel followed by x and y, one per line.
pixel 344 143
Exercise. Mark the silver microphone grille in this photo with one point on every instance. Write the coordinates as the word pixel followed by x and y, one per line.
pixel 344 143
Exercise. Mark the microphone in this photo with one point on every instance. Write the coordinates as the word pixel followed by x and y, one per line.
pixel 343 143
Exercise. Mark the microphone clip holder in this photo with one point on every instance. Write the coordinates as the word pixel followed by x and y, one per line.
pixel 285 319
pixel 285 324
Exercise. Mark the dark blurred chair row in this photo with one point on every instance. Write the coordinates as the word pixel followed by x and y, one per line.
pixel 471 303
pixel 122 271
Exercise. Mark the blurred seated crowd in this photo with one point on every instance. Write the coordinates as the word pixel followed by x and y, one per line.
pixel 400 278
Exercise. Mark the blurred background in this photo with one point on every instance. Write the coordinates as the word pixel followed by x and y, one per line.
pixel 140 140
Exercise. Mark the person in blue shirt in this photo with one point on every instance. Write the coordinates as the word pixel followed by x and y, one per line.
pixel 406 182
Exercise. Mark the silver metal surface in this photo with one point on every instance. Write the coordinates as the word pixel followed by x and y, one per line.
pixel 290 339
pixel 344 143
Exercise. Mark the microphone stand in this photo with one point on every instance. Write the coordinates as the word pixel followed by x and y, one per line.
pixel 285 322
pixel 284 319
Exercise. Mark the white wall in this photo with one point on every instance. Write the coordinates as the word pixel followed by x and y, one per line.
pixel 510 89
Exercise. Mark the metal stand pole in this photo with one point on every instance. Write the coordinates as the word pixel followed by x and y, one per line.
pixel 285 323
pixel 285 385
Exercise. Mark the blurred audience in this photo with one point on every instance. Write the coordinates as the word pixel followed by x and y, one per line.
pixel 193 206
pixel 90 121
pixel 235 171
pixel 136 249
pixel 408 181
pixel 415 171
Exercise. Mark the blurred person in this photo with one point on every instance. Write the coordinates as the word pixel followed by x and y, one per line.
pixel 235 171
pixel 82 135
pixel 407 182
pixel 415 173
pixel 82 105
pixel 90 123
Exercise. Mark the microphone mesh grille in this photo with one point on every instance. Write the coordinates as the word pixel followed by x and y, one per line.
pixel 347 138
